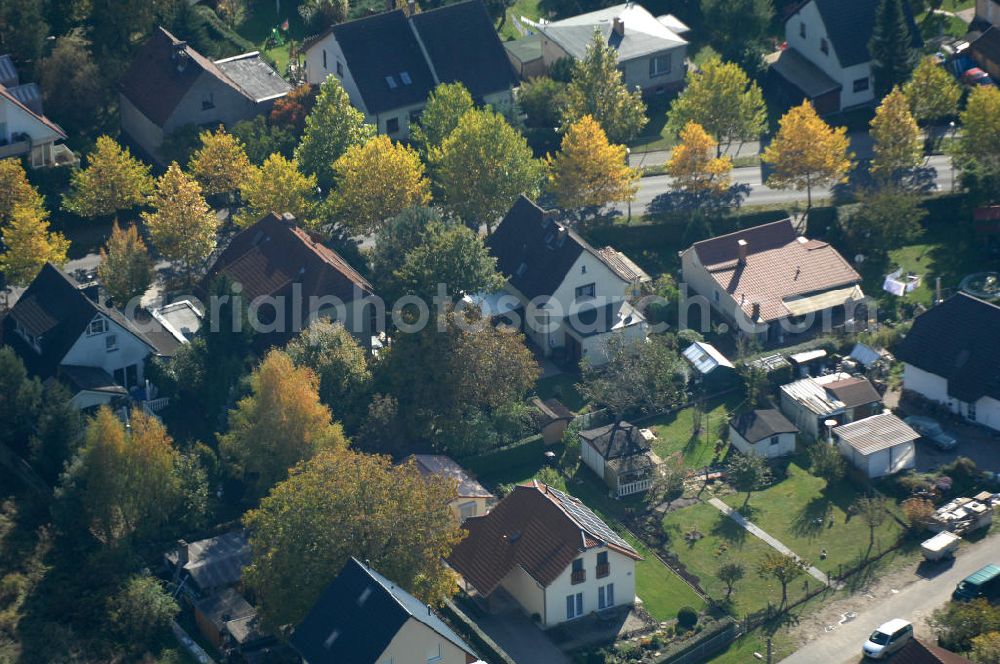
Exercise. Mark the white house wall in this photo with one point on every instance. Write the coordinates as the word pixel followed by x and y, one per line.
pixel 934 387
pixel 141 129
pixel 91 351
pixel 592 458
pixel 19 121
pixel 806 420
pixel 810 48
pixel 764 448
pixel 988 412
pixel 594 348
pixel 229 105
pixel 528 592
pixel 622 575
pixel 636 71
pixel 90 399
pixel 316 73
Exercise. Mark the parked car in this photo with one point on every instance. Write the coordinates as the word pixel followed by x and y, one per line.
pixel 888 638
pixel 976 76
pixel 981 583
pixel 929 428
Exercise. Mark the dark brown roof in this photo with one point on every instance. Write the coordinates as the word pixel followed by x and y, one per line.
pixel 918 652
pixel 536 527
pixel 779 265
pixel 854 392
pixel 158 78
pixel 274 253
pixel 549 411
pixel 957 340
pixel 762 423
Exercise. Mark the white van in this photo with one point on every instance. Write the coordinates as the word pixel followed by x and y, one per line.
pixel 888 638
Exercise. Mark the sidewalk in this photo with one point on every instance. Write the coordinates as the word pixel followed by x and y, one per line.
pixel 763 536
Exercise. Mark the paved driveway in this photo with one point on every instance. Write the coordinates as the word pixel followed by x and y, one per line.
pixel 520 638
pixel 973 442
pixel 914 602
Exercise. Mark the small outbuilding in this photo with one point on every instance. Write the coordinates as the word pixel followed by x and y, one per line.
pixel 620 454
pixel 764 432
pixel 879 445
pixel 552 419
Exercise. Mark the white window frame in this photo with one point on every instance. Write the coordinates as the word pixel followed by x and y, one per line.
pixel 655 68
pixel 574 606
pixel 111 343
pixel 467 509
pixel 97 326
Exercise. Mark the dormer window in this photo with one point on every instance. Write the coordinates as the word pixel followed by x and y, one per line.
pixel 97 326
pixel 404 76
pixel 208 102
pixel 391 82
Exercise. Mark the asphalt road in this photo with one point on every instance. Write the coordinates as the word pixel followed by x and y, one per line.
pixel 914 602
pixel 652 187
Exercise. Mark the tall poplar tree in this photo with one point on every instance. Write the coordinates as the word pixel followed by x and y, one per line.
pixel 893 54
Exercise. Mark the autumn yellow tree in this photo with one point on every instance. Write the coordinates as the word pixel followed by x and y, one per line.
pixel 978 150
pixel 376 181
pixel 127 479
pixel 183 228
pixel 279 424
pixel 933 92
pixel 15 190
pixel 126 269
pixel 694 166
pixel 898 148
pixel 341 504
pixel 30 245
pixel 220 165
pixel 113 180
pixel 588 171
pixel 807 152
pixel 278 186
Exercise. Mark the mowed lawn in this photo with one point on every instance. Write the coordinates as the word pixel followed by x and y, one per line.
pixel 721 542
pixel 809 515
pixel 673 431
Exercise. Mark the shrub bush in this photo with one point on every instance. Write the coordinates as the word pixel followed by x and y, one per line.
pixel 687 617
pixel 521 453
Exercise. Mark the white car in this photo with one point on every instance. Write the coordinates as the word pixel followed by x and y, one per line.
pixel 888 638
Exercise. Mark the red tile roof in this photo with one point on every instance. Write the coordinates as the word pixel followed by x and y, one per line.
pixel 918 652
pixel 779 265
pixel 5 93
pixel 536 527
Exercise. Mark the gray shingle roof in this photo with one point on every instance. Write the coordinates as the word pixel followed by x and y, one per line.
pixel 257 79
pixel 760 424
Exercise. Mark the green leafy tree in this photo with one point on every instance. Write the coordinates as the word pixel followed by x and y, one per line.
pixel 747 472
pixel 23 29
pixel 641 376
pixel 321 14
pixel 113 180
pixel 332 127
pixel 933 92
pixel 738 29
pixel 126 269
pixel 957 624
pixel 885 219
pixel 731 574
pixel 724 101
pixel 279 424
pixel 341 364
pixel 182 226
pixel 446 105
pixel 341 504
pixel 783 568
pixel 20 400
pixel 986 648
pixel 893 54
pixel 278 186
pixel 57 434
pixel 73 85
pixel 541 98
pixel 142 610
pixel 826 462
pixel 220 165
pixel 978 150
pixel 597 89
pixel 483 166
pixel 261 139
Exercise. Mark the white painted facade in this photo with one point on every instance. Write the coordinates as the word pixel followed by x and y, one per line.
pixel 114 350
pixel 548 329
pixel 15 124
pixel 702 287
pixel 985 411
pixel 779 445
pixel 553 605
pixel 807 20
pixel 592 458
pixel 416 642
pixel 885 462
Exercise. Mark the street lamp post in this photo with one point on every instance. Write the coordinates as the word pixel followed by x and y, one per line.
pixel 628 163
pixel 950 145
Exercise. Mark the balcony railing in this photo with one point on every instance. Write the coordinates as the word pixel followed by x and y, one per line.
pixel 603 570
pixel 578 576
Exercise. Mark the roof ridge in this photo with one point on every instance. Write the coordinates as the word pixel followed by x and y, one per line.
pixel 787 220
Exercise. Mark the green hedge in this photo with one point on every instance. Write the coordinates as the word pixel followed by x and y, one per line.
pixel 521 453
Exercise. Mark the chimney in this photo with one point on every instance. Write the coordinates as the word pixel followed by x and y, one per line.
pixel 179 55
pixel 755 312
pixel 742 246
pixel 411 7
pixel 619 26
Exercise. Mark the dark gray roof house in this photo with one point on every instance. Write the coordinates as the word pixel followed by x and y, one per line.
pixel 62 330
pixel 760 424
pixel 169 85
pixel 952 356
pixel 390 62
pixel 360 618
pixel 213 563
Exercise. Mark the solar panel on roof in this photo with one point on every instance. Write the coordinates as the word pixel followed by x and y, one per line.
pixel 588 520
